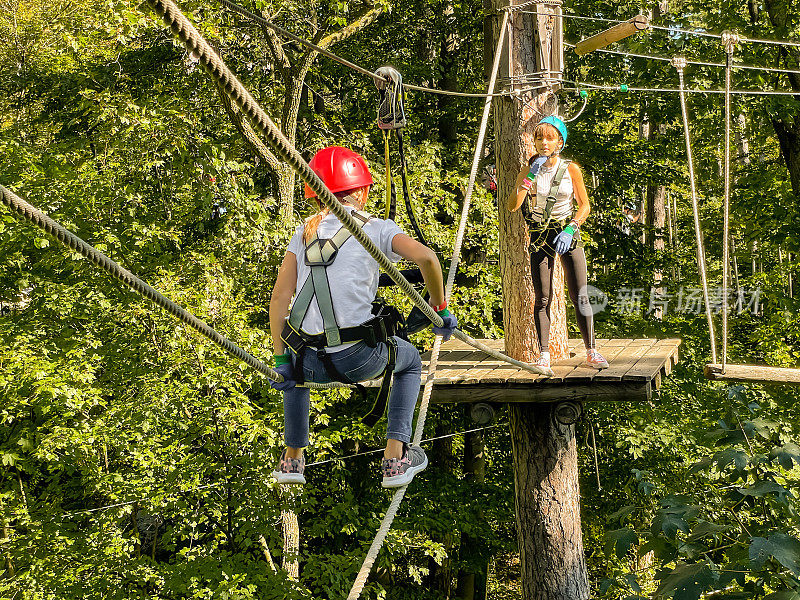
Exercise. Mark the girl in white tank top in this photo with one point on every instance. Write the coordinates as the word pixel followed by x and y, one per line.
pixel 550 237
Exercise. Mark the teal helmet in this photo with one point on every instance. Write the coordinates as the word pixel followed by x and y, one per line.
pixel 559 125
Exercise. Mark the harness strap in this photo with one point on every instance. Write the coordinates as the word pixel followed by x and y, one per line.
pixel 319 254
pixel 379 408
pixel 406 195
pixel 391 195
pixel 551 197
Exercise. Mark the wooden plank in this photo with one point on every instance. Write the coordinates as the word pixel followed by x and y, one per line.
pixel 584 372
pixel 649 365
pixel 753 373
pixel 625 360
pixel 617 391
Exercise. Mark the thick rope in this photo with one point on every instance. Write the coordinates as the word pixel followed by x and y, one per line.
pixel 680 64
pixel 70 240
pixel 391 512
pixel 195 43
pixel 729 41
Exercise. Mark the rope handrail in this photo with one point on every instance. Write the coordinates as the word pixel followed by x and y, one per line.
pixel 680 64
pixel 207 486
pixel 626 88
pixel 33 215
pixel 693 62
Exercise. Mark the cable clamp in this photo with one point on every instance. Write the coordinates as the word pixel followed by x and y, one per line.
pixel 679 62
pixel 729 40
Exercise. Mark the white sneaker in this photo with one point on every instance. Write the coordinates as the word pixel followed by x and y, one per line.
pixel 543 362
pixel 595 359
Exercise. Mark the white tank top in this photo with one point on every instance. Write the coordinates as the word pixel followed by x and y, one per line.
pixel 563 205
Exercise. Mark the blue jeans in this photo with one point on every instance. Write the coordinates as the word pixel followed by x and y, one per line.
pixel 360 363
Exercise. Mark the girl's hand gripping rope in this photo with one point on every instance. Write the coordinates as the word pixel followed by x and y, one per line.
pixel 283 365
pixel 449 325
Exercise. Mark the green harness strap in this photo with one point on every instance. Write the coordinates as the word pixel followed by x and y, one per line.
pixel 319 254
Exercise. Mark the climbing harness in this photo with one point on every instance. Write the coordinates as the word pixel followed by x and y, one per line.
pixel 392 118
pixel 542 227
pixel 319 255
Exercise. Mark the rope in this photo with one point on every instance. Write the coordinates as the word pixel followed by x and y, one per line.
pixel 680 64
pixel 343 61
pixel 217 69
pixel 70 240
pixel 729 41
pixel 391 512
pixel 692 62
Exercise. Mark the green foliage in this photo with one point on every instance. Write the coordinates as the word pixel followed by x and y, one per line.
pixel 136 458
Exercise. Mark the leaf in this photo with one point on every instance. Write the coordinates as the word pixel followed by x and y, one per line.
pixel 783 548
pixel 762 488
pixel 686 582
pixel 621 540
pixel 723 458
pixel 786 455
pixel 783 595
pixel 621 513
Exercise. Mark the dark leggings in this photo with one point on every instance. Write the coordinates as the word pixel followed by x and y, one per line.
pixel 542 267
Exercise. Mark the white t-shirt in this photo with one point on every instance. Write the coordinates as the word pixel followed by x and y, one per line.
pixel 563 204
pixel 353 276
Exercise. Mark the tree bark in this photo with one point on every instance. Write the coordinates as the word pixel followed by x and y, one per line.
pixel 547 505
pixel 787 127
pixel 514 125
pixel 545 458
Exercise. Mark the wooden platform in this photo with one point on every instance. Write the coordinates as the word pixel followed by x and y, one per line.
pixel 636 367
pixel 753 374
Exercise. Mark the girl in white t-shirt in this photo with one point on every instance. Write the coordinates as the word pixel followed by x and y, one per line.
pixel 555 229
pixel 352 279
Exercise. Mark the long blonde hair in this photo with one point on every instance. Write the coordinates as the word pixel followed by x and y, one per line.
pixel 312 223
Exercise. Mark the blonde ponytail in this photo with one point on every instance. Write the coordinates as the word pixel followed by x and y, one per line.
pixel 312 223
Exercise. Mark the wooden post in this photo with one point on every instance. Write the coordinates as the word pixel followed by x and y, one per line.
pixel 614 34
pixel 544 454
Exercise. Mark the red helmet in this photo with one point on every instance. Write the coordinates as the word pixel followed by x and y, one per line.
pixel 340 169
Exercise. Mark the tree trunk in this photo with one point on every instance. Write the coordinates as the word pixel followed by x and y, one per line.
pixel 547 505
pixel 545 459
pixel 448 122
pixel 471 583
pixel 787 128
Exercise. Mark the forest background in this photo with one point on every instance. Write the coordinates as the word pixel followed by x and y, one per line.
pixel 135 457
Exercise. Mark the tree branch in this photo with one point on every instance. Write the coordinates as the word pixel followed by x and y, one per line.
pixel 345 32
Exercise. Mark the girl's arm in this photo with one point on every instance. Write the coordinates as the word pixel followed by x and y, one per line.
pixel 517 195
pixel 426 260
pixel 581 196
pixel 282 294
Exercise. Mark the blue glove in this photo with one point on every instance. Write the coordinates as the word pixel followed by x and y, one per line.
pixel 527 183
pixel 536 164
pixel 450 323
pixel 288 381
pixel 563 241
